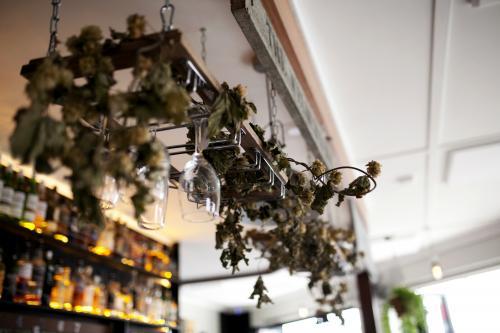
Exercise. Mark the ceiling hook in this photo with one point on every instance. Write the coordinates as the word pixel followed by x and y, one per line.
pixel 167 25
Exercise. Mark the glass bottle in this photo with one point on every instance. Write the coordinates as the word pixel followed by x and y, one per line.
pixel 18 200
pixel 24 275
pixel 58 290
pixel 74 227
pixel 48 280
pixel 88 290
pixel 31 203
pixel 79 287
pixel 99 302
pixel 2 272
pixel 106 242
pixel 50 218
pixel 34 296
pixel 7 191
pixel 41 207
pixel 68 288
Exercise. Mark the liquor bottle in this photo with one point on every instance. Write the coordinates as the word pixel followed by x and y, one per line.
pixel 68 288
pixel 148 299
pixel 64 217
pixel 7 191
pixel 24 276
pixel 18 200
pixel 53 211
pixel 58 290
pixel 157 306
pixel 49 278
pixel 115 301
pixel 106 241
pixel 31 202
pixel 79 284
pixel 121 241
pixel 88 290
pixel 127 299
pixel 73 226
pixel 41 208
pixel 100 297
pixel 2 272
pixel 34 295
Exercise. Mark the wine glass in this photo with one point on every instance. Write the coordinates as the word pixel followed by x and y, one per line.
pixel 108 193
pixel 199 185
pixel 154 217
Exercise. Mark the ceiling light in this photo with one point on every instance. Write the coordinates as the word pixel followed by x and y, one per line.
pixel 437 271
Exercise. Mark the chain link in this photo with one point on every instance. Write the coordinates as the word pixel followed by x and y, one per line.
pixel 54 21
pixel 167 25
pixel 273 108
pixel 203 41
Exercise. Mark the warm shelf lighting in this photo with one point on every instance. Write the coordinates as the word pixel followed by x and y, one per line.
pixel 28 225
pixel 61 238
pixel 101 250
pixel 128 262
pixel 167 275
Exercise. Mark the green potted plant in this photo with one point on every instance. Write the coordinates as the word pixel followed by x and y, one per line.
pixel 409 308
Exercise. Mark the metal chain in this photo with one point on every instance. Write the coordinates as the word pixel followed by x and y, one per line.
pixel 273 108
pixel 203 41
pixel 167 25
pixel 54 21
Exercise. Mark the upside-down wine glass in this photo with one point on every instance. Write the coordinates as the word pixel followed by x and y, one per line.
pixel 155 214
pixel 199 186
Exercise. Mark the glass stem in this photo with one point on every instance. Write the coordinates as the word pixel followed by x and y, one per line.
pixel 200 136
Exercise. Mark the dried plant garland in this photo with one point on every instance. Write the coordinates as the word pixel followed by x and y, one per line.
pixel 299 240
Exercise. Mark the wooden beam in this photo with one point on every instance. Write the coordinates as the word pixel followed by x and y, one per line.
pixel 262 36
pixel 365 301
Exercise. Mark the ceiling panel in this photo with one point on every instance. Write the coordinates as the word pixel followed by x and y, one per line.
pixel 396 207
pixel 472 95
pixel 373 60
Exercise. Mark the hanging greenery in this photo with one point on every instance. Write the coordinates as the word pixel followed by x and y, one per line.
pixel 409 308
pixel 81 136
pixel 87 135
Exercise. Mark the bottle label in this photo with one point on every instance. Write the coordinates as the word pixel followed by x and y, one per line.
pixel 17 204
pixel 41 210
pixel 29 216
pixel 7 195
pixel 26 271
pixel 32 202
pixel 88 296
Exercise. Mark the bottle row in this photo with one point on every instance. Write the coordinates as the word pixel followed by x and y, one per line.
pixel 44 210
pixel 36 277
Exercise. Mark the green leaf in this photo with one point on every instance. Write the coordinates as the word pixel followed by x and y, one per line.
pixel 27 140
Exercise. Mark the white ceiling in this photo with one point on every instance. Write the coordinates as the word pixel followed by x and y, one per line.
pixel 416 85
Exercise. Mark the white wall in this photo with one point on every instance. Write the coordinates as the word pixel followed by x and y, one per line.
pixel 198 318
pixel 476 250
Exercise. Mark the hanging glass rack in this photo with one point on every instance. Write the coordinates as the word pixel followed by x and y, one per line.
pixel 193 74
